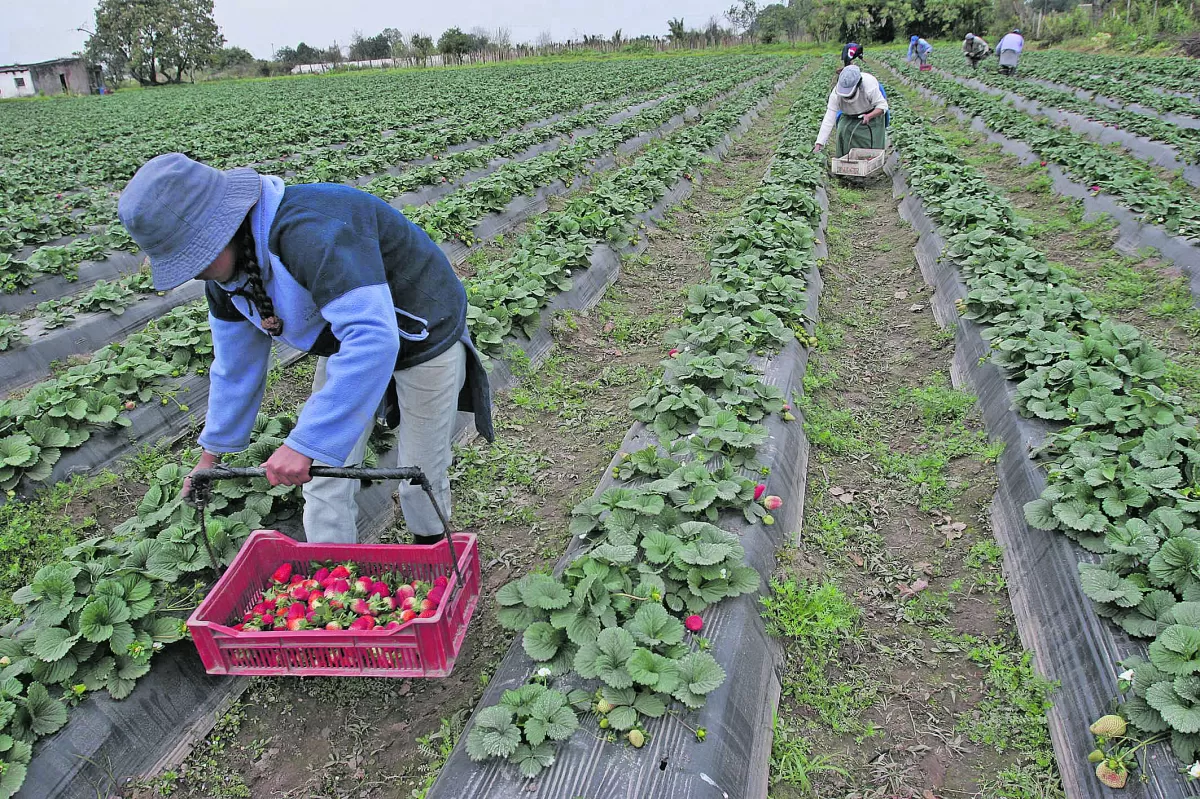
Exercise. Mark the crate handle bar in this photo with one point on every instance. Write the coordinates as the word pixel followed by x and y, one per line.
pixel 202 480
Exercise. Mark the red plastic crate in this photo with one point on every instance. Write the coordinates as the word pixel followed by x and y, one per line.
pixel 422 648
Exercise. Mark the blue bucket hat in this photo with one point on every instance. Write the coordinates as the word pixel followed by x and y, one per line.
pixel 183 213
pixel 913 40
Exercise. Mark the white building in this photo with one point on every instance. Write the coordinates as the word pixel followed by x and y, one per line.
pixel 16 81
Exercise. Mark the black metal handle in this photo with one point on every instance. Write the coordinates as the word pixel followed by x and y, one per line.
pixel 202 480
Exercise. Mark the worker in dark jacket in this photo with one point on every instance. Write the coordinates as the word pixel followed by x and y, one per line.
pixel 851 51
pixel 332 271
pixel 975 49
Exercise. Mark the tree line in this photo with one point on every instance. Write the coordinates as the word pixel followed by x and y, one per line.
pixel 159 42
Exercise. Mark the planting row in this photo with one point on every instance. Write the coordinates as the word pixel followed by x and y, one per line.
pixel 1186 141
pixel 1129 80
pixel 1122 459
pixel 158 555
pixel 616 631
pixel 55 196
pixel 1131 181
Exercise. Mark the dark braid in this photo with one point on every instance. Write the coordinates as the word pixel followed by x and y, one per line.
pixel 255 291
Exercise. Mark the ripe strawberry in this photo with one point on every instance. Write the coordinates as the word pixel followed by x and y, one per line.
pixel 321 575
pixel 404 592
pixel 341 572
pixel 380 589
pixel 441 582
pixel 381 604
pixel 239 627
pixel 283 573
pixel 435 596
pixel 408 603
pixel 363 623
pixel 339 585
pixel 1112 777
pixel 392 625
pixel 333 625
pixel 296 578
pixel 673 353
pixel 310 617
pixel 772 503
pixel 267 620
pixel 312 585
pixel 297 624
pixel 427 604
pixel 427 614
pixel 247 616
pixel 694 623
pixel 360 607
pixel 407 615
pixel 1110 726
pixel 316 601
pixel 759 490
pixel 335 601
pixel 300 593
pixel 361 586
pixel 297 610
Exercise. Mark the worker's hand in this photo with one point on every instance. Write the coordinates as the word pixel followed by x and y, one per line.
pixel 287 467
pixel 207 461
pixel 817 148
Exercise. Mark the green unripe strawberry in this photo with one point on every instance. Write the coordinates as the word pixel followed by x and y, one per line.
pixel 788 416
pixel 604 724
pixel 1112 777
pixel 604 706
pixel 768 519
pixel 1110 726
pixel 636 738
pixel 1095 756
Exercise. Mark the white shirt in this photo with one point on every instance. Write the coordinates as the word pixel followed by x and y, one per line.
pixel 869 88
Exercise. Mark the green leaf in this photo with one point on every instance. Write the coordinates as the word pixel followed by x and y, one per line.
pixel 1141 715
pixel 53 643
pixel 606 658
pixel 494 734
pixel 701 672
pixel 1175 710
pixel 119 688
pixel 96 622
pixel 652 670
pixel 1176 651
pixel 650 704
pixel 554 709
pixel 531 760
pixel 544 592
pixel 653 625
pixel 12 779
pixel 1040 514
pixel 541 640
pixel 46 714
pixel 1102 585
pixel 122 636
pixel 622 718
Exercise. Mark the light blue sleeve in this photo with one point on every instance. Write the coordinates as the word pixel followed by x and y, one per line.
pixel 364 321
pixel 910 49
pixel 237 379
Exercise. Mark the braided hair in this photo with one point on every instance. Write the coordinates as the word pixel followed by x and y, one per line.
pixel 247 263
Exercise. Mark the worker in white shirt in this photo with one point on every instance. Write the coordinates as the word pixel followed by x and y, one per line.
pixel 857 105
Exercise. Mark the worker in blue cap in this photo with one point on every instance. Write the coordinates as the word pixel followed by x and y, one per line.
pixel 921 49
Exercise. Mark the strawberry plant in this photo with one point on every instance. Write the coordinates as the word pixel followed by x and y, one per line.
pixel 10 332
pixel 651 557
pixel 1122 470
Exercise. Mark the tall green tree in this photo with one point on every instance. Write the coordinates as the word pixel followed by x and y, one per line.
pixel 422 46
pixel 454 44
pixel 154 41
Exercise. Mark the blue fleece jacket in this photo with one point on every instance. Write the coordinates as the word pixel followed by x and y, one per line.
pixel 922 47
pixel 352 279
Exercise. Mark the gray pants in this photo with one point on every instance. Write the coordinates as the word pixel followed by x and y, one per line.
pixel 428 397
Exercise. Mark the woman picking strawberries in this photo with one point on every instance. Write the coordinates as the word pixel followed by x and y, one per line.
pixel 329 270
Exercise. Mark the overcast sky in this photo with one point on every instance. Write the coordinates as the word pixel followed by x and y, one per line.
pixel 38 30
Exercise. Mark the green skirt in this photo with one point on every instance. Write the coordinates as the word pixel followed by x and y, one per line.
pixel 852 133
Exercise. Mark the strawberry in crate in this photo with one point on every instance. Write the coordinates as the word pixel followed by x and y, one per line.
pixel 337 598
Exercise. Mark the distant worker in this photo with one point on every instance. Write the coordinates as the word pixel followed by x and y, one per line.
pixel 1009 51
pixel 921 49
pixel 858 106
pixel 850 52
pixel 975 49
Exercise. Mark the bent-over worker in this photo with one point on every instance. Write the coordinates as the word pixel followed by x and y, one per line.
pixel 851 51
pixel 333 271
pixel 860 101
pixel 975 49
pixel 921 49
pixel 1008 50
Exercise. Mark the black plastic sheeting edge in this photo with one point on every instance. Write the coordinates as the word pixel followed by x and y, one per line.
pixel 1071 644
pixel 176 704
pixel 1133 234
pixel 1179 120
pixel 733 761
pixel 1142 147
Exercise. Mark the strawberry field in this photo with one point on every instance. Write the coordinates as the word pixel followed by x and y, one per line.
pixel 800 488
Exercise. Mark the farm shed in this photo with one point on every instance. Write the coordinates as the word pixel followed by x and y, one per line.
pixel 16 81
pixel 57 76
